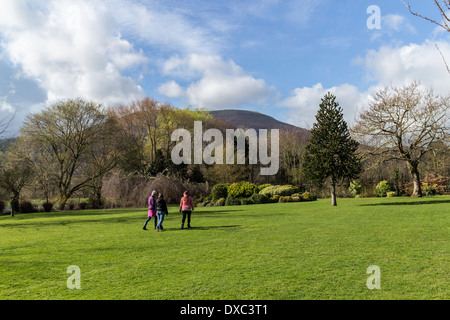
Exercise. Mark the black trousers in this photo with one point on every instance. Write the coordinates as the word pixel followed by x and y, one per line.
pixel 186 213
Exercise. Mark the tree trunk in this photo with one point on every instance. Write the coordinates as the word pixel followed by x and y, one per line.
pixel 62 202
pixel 333 193
pixel 14 204
pixel 417 192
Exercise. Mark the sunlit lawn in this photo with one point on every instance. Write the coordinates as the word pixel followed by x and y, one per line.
pixel 305 250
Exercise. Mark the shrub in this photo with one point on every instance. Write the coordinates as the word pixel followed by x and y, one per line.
pixel 220 202
pixel 242 189
pixel 26 207
pixel 259 198
pixel 285 199
pixel 429 189
pixel 260 187
pixel 246 201
pixel 82 205
pixel 275 198
pixel 94 203
pixel 2 207
pixel 383 188
pixel 308 196
pixel 296 198
pixel 286 190
pixel 391 194
pixel 205 203
pixel 232 201
pixel 48 206
pixel 71 205
pixel 219 191
pixel 355 188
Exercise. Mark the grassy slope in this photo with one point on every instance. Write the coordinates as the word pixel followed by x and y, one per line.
pixel 273 251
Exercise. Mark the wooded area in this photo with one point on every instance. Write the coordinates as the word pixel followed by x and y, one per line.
pixel 116 156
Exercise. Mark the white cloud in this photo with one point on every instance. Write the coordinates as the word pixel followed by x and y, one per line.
pixel 303 103
pixel 6 106
pixel 71 48
pixel 215 83
pixel 397 23
pixel 168 29
pixel 385 67
pixel 171 89
pixel 399 65
pixel 392 24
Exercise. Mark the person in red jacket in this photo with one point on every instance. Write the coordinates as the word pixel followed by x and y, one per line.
pixel 186 207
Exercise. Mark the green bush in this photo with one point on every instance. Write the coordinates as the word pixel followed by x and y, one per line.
pixel 242 189
pixel 274 198
pixel 260 187
pixel 26 207
pixel 285 199
pixel 383 188
pixel 82 205
pixel 355 188
pixel 391 194
pixel 258 198
pixel 308 196
pixel 246 201
pixel 220 202
pixel 296 198
pixel 286 190
pixel 219 191
pixel 232 201
pixel 429 189
pixel 205 203
pixel 47 206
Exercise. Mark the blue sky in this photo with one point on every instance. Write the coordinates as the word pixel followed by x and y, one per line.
pixel 278 57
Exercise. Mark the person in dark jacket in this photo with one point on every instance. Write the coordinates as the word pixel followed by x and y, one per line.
pixel 161 211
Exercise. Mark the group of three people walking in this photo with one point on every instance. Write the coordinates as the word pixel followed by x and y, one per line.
pixel 157 209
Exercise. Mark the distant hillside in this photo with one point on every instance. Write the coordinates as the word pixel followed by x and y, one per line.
pixel 255 120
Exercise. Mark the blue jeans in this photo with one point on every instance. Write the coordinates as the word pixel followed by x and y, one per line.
pixel 148 219
pixel 160 215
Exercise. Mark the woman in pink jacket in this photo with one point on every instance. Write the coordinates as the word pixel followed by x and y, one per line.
pixel 151 209
pixel 186 207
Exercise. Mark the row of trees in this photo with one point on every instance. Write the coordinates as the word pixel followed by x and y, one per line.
pixel 74 146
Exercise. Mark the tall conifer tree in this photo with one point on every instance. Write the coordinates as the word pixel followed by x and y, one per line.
pixel 331 152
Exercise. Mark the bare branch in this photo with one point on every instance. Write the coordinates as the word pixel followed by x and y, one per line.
pixel 445 19
pixel 443 58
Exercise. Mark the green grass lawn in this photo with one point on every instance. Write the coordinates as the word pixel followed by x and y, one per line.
pixel 305 250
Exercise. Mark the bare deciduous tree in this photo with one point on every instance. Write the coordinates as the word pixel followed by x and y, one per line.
pixel 61 139
pixel 5 123
pixel 15 175
pixel 404 124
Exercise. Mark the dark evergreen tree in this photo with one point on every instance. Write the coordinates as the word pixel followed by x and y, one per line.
pixel 331 152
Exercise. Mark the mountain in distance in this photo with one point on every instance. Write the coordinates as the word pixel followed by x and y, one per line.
pixel 255 120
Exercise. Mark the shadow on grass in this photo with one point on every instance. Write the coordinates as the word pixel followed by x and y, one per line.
pixel 75 213
pixel 30 223
pixel 200 228
pixel 403 203
pixel 100 212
